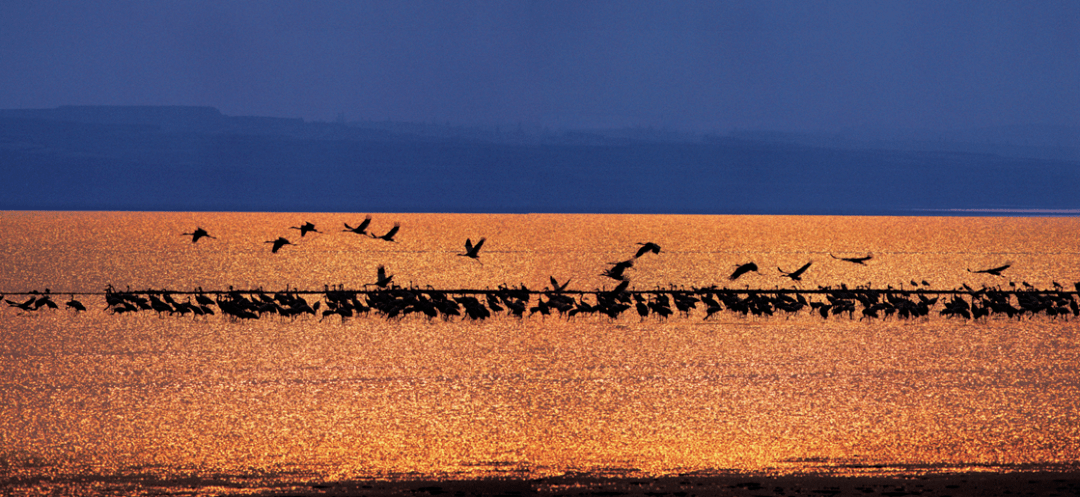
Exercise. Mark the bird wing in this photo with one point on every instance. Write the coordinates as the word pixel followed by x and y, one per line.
pixel 803 269
pixel 468 245
pixel 393 230
pixel 363 225
pixel 479 244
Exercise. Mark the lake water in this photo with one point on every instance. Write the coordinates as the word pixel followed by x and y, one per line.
pixel 98 394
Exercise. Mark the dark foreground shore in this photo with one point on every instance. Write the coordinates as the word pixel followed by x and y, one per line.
pixel 951 484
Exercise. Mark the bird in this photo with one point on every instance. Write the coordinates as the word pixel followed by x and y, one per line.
pixel 743 269
pixel 305 228
pixel 617 268
pixel 473 251
pixel 796 275
pixel 646 248
pixel 280 242
pixel 75 304
pixel 389 236
pixel 360 229
pixel 197 234
pixel 556 287
pixel 383 280
pixel 994 271
pixel 855 260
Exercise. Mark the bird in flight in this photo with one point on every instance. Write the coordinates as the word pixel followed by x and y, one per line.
pixel 389 236
pixel 616 270
pixel 556 287
pixel 646 248
pixel 197 234
pixel 383 280
pixel 796 275
pixel 360 229
pixel 743 269
pixel 473 251
pixel 996 271
pixel 305 229
pixel 856 260
pixel 280 242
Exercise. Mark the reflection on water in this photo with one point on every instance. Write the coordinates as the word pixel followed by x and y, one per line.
pixel 103 394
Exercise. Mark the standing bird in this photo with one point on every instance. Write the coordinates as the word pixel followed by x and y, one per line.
pixel 855 260
pixel 994 271
pixel 473 251
pixel 796 275
pixel 743 269
pixel 75 304
pixel 280 242
pixel 646 248
pixel 389 236
pixel 197 234
pixel 360 229
pixel 305 228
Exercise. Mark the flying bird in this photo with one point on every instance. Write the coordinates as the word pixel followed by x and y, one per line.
pixel 197 234
pixel 305 229
pixel 994 271
pixel 796 275
pixel 616 270
pixel 473 251
pixel 855 260
pixel 556 287
pixel 743 269
pixel 646 248
pixel 280 242
pixel 383 280
pixel 361 229
pixel 389 236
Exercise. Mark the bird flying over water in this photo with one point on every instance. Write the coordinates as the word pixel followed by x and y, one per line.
pixel 360 229
pixel 305 228
pixel 197 234
pixel 389 236
pixel 280 242
pixel 855 260
pixel 743 269
pixel 383 280
pixel 616 270
pixel 994 271
pixel 646 248
pixel 473 251
pixel 796 275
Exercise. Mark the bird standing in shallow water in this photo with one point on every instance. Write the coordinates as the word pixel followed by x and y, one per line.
pixel 280 242
pixel 197 234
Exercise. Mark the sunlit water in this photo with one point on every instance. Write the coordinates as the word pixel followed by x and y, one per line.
pixel 299 398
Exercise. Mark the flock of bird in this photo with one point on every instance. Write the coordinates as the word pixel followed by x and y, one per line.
pixel 394 301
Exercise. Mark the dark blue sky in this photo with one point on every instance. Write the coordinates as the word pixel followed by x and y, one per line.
pixel 703 66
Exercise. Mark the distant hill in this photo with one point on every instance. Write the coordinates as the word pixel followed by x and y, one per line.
pixel 195 158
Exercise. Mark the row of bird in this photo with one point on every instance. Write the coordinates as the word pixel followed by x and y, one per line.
pixel 392 301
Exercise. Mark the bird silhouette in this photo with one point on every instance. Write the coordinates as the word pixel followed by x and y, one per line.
pixel 855 260
pixel 556 287
pixel 280 242
pixel 360 229
pixel 473 251
pixel 994 271
pixel 383 280
pixel 389 236
pixel 796 275
pixel 616 270
pixel 197 234
pixel 75 304
pixel 743 269
pixel 305 228
pixel 646 248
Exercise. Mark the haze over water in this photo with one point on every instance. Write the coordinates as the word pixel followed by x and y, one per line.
pixel 297 398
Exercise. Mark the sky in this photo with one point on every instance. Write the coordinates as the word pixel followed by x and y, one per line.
pixel 819 66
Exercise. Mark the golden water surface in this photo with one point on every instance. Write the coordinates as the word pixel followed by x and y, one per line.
pixel 101 394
